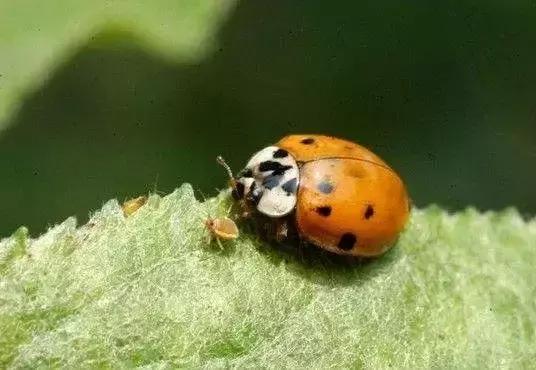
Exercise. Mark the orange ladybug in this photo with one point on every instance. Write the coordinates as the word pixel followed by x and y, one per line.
pixel 337 194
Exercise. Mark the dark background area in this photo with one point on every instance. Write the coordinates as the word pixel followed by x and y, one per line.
pixel 443 91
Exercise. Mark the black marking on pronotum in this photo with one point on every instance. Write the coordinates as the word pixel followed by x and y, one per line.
pixel 272 181
pixel 290 186
pixel 281 171
pixel 308 141
pixel 238 191
pixel 280 153
pixel 369 212
pixel 347 241
pixel 325 187
pixel 323 211
pixel 276 167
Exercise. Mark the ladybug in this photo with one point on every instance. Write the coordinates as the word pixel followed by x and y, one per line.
pixel 332 192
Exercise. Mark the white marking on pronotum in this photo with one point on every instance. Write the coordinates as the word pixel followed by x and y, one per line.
pixel 270 174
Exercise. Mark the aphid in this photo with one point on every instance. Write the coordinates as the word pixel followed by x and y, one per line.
pixel 132 205
pixel 222 228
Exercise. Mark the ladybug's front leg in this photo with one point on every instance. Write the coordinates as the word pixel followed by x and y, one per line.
pixel 244 210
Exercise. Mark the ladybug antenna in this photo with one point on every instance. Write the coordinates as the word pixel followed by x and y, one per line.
pixel 222 162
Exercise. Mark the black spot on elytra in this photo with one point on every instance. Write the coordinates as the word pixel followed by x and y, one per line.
pixel 271 181
pixel 290 186
pixel 347 241
pixel 238 191
pixel 308 141
pixel 280 153
pixel 369 212
pixel 276 167
pixel 325 187
pixel 323 211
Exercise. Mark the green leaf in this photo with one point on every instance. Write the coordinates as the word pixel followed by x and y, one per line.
pixel 36 39
pixel 457 291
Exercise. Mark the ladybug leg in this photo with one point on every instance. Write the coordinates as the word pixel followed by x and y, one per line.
pixel 302 244
pixel 244 210
pixel 281 230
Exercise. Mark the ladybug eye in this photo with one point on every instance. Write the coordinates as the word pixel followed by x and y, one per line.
pixel 238 191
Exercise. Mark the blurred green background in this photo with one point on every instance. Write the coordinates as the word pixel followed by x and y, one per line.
pixel 112 99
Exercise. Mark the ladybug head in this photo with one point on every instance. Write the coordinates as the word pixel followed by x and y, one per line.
pixel 268 183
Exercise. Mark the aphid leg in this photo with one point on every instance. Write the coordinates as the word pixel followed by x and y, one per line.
pixel 219 243
pixel 208 239
pixel 229 209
